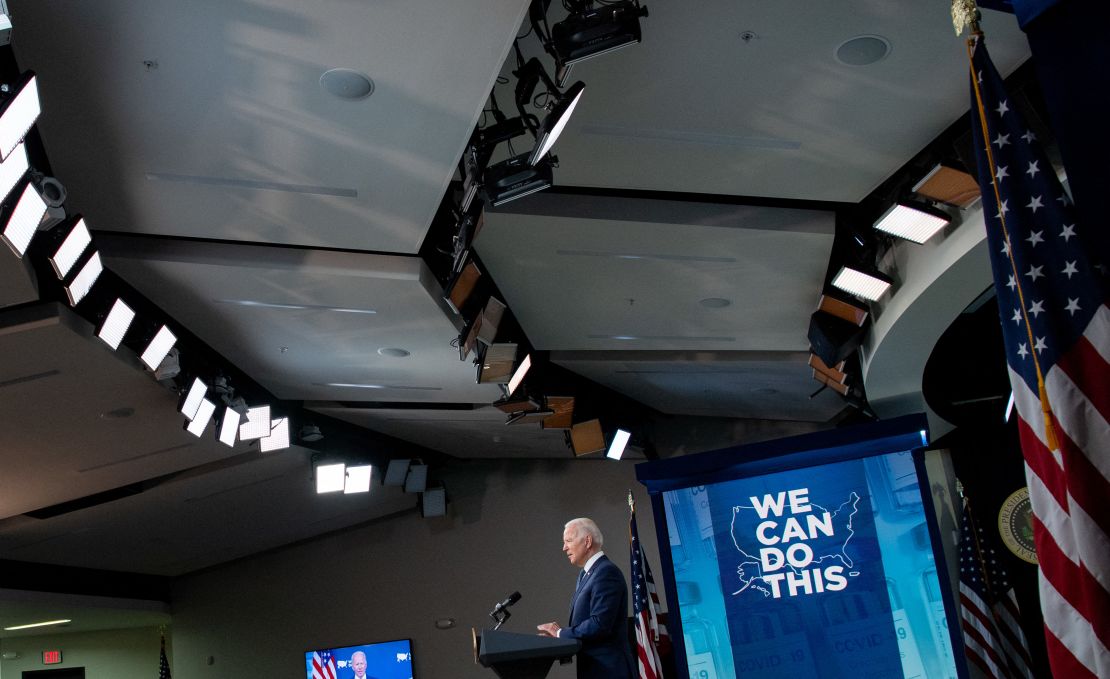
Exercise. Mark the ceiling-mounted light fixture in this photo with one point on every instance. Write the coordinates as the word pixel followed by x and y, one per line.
pixel 396 472
pixel 590 32
pixel 24 220
pixel 200 420
pixel 18 113
pixel 37 624
pixel 278 438
pixel 516 177
pixel 310 433
pixel 12 170
pixel 159 347
pixel 869 285
pixel 330 478
pixel 433 501
pixel 116 324
pixel 417 479
pixel 913 220
pixel 521 371
pixel 256 424
pixel 358 479
pixel 75 243
pixel 229 427
pixel 616 448
pixel 560 105
pixel 556 120
pixel 84 280
pixel 195 395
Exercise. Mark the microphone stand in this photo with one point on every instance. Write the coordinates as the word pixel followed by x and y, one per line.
pixel 500 616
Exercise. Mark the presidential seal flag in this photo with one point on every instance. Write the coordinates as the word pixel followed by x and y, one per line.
pixel 1052 291
pixel 989 616
pixel 645 605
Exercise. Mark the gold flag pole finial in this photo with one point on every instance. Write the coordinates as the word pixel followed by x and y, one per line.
pixel 965 13
pixel 631 502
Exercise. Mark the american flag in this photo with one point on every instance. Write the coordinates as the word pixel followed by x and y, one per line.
pixel 163 664
pixel 323 665
pixel 1052 293
pixel 645 606
pixel 989 616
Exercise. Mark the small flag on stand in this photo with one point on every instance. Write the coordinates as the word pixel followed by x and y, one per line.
pixel 163 664
pixel 650 634
pixel 989 616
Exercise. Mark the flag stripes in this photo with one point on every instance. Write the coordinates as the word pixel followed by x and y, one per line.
pixel 989 617
pixel 1058 350
pixel 645 605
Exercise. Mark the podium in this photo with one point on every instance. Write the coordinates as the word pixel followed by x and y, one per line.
pixel 522 656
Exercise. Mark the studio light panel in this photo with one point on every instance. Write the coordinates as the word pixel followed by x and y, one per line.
pixel 330 478
pixel 860 284
pixel 158 348
pixel 229 427
pixel 433 502
pixel 358 479
pixel 554 124
pixel 278 438
pixel 521 371
pixel 192 400
pixel 85 279
pixel 19 114
pixel 417 479
pixel 396 472
pixel 910 223
pixel 71 249
pixel 25 220
pixel 12 170
pixel 616 449
pixel 257 424
pixel 204 414
pixel 116 324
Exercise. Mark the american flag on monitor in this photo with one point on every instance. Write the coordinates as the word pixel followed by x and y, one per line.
pixel 1051 285
pixel 323 665
pixel 645 606
pixel 989 617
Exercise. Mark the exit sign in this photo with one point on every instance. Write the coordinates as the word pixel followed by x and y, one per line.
pixel 51 657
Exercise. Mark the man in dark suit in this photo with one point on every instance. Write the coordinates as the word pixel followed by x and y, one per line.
pixel 599 608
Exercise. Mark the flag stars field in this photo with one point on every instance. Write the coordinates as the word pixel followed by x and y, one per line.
pixel 1058 289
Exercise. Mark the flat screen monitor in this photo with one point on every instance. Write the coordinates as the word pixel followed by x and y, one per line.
pixel 813 562
pixel 381 660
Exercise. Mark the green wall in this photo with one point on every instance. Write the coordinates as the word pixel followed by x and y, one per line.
pixel 109 654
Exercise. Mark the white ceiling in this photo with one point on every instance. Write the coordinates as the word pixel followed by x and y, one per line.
pixel 214 170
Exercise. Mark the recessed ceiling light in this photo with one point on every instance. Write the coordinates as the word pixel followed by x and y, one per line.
pixel 395 352
pixel 346 83
pixel 863 50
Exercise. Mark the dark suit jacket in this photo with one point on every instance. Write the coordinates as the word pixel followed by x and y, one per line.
pixel 598 618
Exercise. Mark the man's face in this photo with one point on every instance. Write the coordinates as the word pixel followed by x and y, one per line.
pixel 358 663
pixel 576 545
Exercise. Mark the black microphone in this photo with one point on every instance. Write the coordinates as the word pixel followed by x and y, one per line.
pixel 513 598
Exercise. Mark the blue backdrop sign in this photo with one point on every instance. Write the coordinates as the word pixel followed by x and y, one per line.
pixel 820 571
pixel 808 540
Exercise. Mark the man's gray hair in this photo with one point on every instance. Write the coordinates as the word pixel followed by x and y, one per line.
pixel 586 526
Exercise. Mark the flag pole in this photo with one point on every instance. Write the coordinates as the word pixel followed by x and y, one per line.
pixel 967 10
